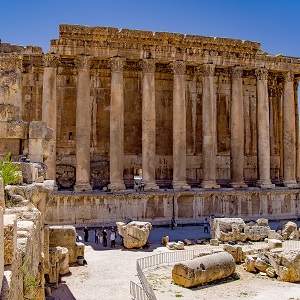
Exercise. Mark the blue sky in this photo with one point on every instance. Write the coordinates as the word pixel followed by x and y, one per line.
pixel 275 24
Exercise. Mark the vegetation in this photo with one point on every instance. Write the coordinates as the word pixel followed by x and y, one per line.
pixel 29 281
pixel 9 170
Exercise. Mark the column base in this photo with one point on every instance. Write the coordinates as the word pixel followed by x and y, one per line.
pixel 117 186
pixel 265 184
pixel 209 185
pixel 238 185
pixel 151 186
pixel 82 187
pixel 180 185
pixel 291 183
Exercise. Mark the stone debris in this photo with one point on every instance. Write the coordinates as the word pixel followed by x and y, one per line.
pixel 285 265
pixel 203 269
pixel 164 240
pixel 187 242
pixel 179 245
pixel 290 231
pixel 135 233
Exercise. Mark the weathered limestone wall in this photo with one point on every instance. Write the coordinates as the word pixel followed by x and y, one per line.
pixel 1 246
pixel 158 207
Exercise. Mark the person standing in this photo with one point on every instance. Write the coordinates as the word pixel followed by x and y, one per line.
pixel 86 234
pixel 104 238
pixel 113 239
pixel 205 226
pixel 96 236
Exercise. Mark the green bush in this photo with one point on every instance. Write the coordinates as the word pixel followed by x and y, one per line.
pixel 9 170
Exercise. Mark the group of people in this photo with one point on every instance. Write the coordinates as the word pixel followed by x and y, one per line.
pixel 101 236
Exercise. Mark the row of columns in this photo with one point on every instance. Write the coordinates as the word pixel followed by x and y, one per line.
pixel 209 115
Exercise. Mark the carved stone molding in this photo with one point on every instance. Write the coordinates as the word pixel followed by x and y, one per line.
pixel 296 83
pixel 83 62
pixel 10 62
pixel 236 72
pixel 288 77
pixel 178 67
pixel 274 91
pixel 208 70
pixel 148 66
pixel 50 60
pixel 117 64
pixel 261 74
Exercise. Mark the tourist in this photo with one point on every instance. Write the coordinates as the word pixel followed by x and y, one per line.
pixel 143 185
pixel 104 234
pixel 205 226
pixel 77 237
pixel 86 234
pixel 96 234
pixel 113 239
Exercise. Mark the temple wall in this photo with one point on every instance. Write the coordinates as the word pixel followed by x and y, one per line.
pixel 190 207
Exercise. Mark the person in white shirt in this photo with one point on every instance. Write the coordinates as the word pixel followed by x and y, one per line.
pixel 112 239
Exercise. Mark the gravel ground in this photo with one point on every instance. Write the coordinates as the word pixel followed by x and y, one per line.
pixel 108 273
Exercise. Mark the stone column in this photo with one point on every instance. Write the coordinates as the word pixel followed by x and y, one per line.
pixel 83 126
pixel 148 125
pixel 209 129
pixel 116 154
pixel 289 132
pixel 179 127
pixel 237 129
pixel 296 86
pixel 263 134
pixel 49 114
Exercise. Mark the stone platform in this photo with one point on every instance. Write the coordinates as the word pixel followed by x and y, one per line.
pixel 158 207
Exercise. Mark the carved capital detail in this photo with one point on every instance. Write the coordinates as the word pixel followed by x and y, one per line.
pixel 117 64
pixel 274 91
pixel 261 73
pixel 50 60
pixel 236 72
pixel 83 62
pixel 178 67
pixel 288 77
pixel 208 70
pixel 148 66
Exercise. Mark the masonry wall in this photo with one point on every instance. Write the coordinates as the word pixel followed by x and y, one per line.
pixel 189 207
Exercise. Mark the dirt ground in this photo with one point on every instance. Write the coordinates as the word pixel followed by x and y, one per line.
pixel 108 273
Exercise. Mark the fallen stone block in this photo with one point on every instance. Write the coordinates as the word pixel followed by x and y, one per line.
pixel 236 252
pixel 203 269
pixel 187 242
pixel 273 243
pixel 179 245
pixel 214 242
pixel 10 238
pixel 170 245
pixel 249 265
pixel 164 240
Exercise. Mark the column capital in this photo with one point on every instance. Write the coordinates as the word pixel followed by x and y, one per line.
pixel 208 70
pixel 236 72
pixel 83 62
pixel 261 73
pixel 288 76
pixel 50 60
pixel 148 65
pixel 117 64
pixel 178 67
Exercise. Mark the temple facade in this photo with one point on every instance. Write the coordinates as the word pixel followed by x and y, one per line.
pixel 189 111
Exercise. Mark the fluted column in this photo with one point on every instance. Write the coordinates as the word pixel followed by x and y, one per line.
pixel 179 127
pixel 83 125
pixel 209 129
pixel 49 114
pixel 289 132
pixel 148 125
pixel 237 129
pixel 263 130
pixel 116 154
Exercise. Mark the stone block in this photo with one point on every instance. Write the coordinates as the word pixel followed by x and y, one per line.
pixel 165 240
pixel 262 222
pixel 236 252
pixel 9 112
pixel 37 130
pixel 214 242
pixel 2 199
pixel 179 245
pixel 250 263
pixel 13 130
pixel 64 236
pixel 271 234
pixel 274 243
pixel 290 231
pixel 170 245
pixel 203 269
pixel 135 234
pixel 262 263
pixel 187 242
pixel 10 238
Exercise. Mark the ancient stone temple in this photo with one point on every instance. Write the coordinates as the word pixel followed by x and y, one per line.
pixel 189 111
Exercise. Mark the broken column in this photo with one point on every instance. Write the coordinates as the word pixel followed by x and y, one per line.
pixel 203 269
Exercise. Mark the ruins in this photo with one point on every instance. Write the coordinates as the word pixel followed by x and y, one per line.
pixel 211 124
